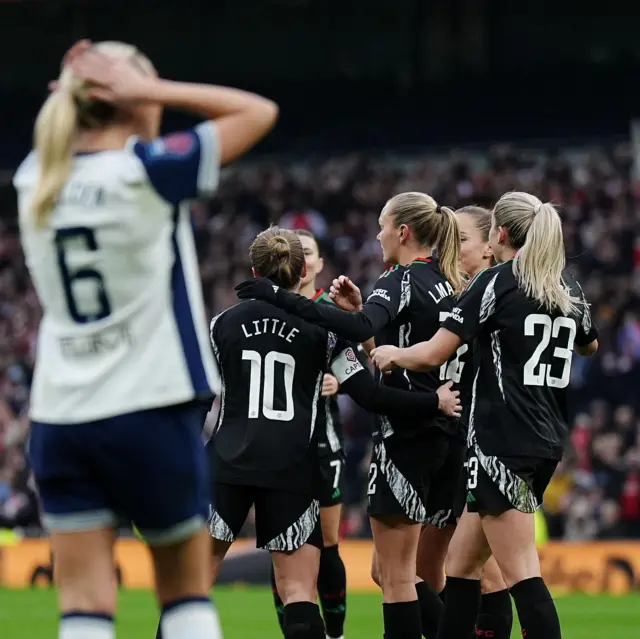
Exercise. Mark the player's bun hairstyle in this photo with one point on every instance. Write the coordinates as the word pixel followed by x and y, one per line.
pixel 434 226
pixel 535 230
pixel 277 254
pixel 481 219
pixel 67 111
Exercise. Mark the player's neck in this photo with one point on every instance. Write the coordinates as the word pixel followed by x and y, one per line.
pixel 483 267
pixel 508 254
pixel 411 254
pixel 111 138
pixel 308 290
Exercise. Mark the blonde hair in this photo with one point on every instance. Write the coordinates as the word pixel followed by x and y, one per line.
pixel 535 230
pixel 65 112
pixel 278 254
pixel 433 225
pixel 482 221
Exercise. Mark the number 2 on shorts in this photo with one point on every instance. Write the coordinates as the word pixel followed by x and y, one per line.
pixel 373 475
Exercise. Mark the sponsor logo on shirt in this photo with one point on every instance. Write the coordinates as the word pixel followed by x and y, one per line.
pixel 380 292
pixel 456 314
pixel 105 341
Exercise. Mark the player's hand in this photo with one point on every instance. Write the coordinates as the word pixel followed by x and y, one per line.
pixel 77 49
pixel 383 357
pixel 257 288
pixel 449 400
pixel 330 385
pixel 345 294
pixel 111 79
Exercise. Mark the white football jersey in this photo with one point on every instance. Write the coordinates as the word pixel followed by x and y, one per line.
pixel 116 272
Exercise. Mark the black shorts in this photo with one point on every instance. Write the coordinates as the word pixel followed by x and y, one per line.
pixel 284 520
pixel 332 479
pixel 498 484
pixel 418 477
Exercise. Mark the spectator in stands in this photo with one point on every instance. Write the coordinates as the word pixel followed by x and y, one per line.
pixel 339 198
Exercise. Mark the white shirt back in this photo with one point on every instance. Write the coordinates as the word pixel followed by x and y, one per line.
pixel 116 272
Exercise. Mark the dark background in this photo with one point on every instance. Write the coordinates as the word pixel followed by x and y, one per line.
pixel 358 73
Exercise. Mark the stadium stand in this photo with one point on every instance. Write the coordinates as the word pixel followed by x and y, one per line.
pixel 596 492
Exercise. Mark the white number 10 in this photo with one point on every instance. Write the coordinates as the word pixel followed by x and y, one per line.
pixel 255 380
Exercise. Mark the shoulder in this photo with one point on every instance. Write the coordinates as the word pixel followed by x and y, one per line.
pixel 571 282
pixel 395 272
pixel 181 166
pixel 392 278
pixel 27 171
pixel 499 274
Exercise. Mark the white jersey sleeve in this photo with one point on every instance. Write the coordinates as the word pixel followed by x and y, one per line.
pixel 182 166
pixel 124 326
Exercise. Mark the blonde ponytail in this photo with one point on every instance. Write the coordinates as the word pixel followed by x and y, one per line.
pixel 67 110
pixel 449 249
pixel 433 226
pixel 536 230
pixel 55 131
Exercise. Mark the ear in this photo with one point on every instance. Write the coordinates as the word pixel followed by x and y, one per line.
pixel 503 235
pixel 319 266
pixel 403 232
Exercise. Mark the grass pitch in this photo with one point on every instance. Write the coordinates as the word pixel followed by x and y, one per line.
pixel 249 614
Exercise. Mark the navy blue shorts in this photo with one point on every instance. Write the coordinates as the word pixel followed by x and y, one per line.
pixel 148 468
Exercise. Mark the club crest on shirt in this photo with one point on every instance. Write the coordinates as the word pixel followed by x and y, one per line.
pixel 177 144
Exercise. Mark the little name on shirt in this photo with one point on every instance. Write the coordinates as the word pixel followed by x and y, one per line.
pixel 271 326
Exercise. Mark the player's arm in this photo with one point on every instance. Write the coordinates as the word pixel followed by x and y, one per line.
pixel 379 310
pixel 186 165
pixel 424 356
pixel 368 346
pixel 358 383
pixel 460 327
pixel 586 342
pixel 363 358
pixel 240 118
pixel 589 349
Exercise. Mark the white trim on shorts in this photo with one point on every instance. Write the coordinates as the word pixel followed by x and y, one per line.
pixel 81 521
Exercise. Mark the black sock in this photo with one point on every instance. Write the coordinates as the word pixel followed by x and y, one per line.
pixel 536 610
pixel 495 618
pixel 431 610
pixel 332 590
pixel 276 600
pixel 460 608
pixel 302 620
pixel 402 620
pixel 159 631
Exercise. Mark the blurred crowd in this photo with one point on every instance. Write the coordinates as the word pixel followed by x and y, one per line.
pixel 596 491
